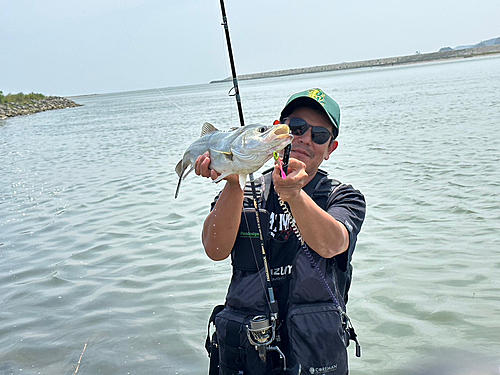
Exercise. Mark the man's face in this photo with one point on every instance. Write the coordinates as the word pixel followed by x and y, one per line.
pixel 303 148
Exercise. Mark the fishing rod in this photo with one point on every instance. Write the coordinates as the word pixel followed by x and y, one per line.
pixel 261 332
pixel 231 61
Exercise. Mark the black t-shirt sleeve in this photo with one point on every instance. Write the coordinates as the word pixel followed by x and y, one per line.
pixel 347 205
pixel 247 201
pixel 212 205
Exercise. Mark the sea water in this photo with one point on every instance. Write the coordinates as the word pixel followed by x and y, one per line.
pixel 103 271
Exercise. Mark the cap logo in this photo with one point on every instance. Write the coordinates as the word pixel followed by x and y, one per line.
pixel 317 95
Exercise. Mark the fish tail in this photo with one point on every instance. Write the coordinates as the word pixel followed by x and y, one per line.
pixel 180 168
pixel 178 187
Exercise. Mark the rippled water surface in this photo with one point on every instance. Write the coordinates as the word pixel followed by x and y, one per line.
pixel 96 256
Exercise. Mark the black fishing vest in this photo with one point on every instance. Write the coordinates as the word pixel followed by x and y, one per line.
pixel 314 330
pixel 246 255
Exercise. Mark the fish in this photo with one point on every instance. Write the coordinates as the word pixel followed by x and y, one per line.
pixel 242 151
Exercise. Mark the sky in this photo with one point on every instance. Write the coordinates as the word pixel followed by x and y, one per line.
pixel 69 47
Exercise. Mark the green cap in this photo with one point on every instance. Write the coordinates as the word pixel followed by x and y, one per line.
pixel 317 99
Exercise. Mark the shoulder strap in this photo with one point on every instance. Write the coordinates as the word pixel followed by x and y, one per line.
pixel 262 187
pixel 208 342
pixel 321 192
pixel 324 187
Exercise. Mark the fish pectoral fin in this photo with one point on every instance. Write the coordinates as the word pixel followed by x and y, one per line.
pixel 219 179
pixel 222 152
pixel 227 154
pixel 243 181
pixel 208 128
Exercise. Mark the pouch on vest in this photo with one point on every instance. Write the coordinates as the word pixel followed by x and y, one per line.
pixel 317 339
pixel 211 345
pixel 236 355
pixel 247 292
pixel 316 330
pixel 246 254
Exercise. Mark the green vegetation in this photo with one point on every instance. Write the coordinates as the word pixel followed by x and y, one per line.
pixel 20 98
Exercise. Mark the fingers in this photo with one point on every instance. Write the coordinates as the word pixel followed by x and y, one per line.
pixel 296 179
pixel 295 165
pixel 202 165
pixel 213 174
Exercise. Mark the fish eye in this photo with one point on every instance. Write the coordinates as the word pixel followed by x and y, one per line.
pixel 262 129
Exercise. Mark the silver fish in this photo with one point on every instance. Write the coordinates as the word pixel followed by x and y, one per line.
pixel 241 151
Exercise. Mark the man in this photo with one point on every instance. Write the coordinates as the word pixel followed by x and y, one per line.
pixel 310 289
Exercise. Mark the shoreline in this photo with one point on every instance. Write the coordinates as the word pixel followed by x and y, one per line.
pixel 35 106
pixel 388 61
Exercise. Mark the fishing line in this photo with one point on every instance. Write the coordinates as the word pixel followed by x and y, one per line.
pixel 139 62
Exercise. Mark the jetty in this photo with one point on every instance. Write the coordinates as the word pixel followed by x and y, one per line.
pixel 384 62
pixel 35 106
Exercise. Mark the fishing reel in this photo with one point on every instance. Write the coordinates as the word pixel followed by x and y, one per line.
pixel 261 333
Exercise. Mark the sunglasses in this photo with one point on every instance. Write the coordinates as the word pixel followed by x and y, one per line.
pixel 319 134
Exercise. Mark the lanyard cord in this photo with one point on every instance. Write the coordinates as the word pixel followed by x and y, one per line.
pixel 343 314
pixel 306 250
pixel 284 167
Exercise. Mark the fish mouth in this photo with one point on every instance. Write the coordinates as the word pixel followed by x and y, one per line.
pixel 281 131
pixel 281 137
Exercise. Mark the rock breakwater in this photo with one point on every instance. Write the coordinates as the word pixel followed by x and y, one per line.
pixel 390 61
pixel 35 106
